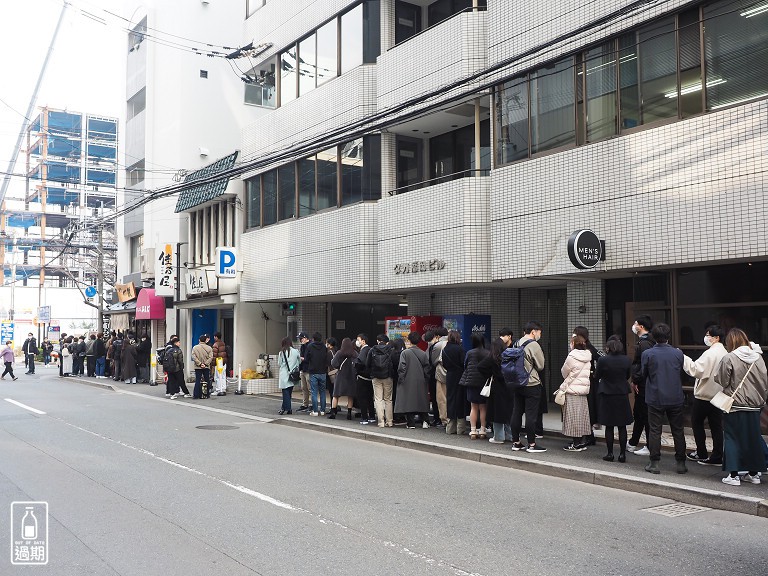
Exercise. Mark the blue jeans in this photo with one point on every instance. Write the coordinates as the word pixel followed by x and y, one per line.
pixel 100 366
pixel 502 432
pixel 287 393
pixel 317 384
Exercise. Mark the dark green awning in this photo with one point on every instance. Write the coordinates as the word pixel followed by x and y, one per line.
pixel 208 191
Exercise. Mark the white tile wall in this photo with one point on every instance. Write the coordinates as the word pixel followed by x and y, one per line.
pixel 456 48
pixel 654 196
pixel 334 252
pixel 586 305
pixel 448 221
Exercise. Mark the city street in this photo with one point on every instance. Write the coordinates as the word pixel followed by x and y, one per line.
pixel 135 487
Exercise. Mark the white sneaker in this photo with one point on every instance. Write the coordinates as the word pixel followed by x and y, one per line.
pixel 322 413
pixel 167 395
pixel 187 395
pixel 174 397
pixel 643 451
pixel 313 414
pixel 494 441
pixel 732 481
pixel 425 425
pixel 631 448
pixel 750 479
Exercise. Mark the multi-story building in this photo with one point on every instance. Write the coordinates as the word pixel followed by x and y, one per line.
pixel 444 153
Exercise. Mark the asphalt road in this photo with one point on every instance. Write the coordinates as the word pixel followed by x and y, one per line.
pixel 134 487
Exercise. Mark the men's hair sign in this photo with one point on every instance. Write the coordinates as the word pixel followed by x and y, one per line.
pixel 585 249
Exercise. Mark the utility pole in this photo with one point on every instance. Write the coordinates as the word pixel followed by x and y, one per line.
pixel 100 277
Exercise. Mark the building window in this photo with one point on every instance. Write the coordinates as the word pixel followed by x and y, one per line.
pixel 409 164
pixel 286 184
pixel 137 103
pixel 288 76
pixel 134 174
pixel 307 186
pixel 252 5
pixel 327 52
pixel 307 64
pixel 352 39
pixel 452 155
pixel 253 197
pixel 137 34
pixel 269 197
pixel 327 178
pixel 651 74
pixel 407 20
pixel 136 248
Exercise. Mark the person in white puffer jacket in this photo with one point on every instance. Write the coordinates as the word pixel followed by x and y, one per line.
pixel 575 371
pixel 704 390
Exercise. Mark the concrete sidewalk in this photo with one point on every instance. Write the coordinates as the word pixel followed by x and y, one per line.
pixel 701 486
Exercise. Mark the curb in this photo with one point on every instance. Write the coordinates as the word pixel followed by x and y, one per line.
pixel 687 494
pixel 93 383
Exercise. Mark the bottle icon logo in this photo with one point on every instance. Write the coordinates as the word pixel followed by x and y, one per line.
pixel 29 525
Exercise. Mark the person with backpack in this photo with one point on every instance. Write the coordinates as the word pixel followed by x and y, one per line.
pixel 379 366
pixel 174 367
pixel 364 383
pixel 162 356
pixel 520 367
pixel 316 357
pixel 452 357
pixel 117 350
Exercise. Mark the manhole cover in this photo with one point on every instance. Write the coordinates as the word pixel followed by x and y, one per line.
pixel 217 427
pixel 676 509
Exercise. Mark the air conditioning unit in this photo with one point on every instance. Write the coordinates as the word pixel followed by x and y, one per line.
pixel 148 261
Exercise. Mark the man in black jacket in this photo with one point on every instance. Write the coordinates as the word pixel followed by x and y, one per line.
pixel 316 357
pixel 379 366
pixel 304 341
pixel 30 349
pixel 642 327
pixel 364 383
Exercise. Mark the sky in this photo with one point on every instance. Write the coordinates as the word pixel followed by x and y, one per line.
pixel 86 72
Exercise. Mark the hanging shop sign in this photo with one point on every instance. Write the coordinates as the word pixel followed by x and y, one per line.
pixel 585 249
pixel 197 282
pixel 164 268
pixel 44 314
pixel 125 292
pixel 419 266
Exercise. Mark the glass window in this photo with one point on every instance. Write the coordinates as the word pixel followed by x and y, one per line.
pixel 600 86
pixel 441 158
pixel 689 38
pixel 307 65
pixel 288 76
pixel 137 103
pixel 409 164
pixel 269 197
pixel 286 182
pixel 352 39
pixel 371 31
pixel 372 167
pixel 134 174
pixel 327 51
pixel 307 169
pixel 253 197
pixel 327 184
pixel 658 71
pixel 553 117
pixel 352 172
pixel 735 52
pixel 512 122
pixel 262 91
pixel 407 20
pixel 628 84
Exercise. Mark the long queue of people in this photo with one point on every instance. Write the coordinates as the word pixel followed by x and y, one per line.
pixel 122 357
pixel 387 381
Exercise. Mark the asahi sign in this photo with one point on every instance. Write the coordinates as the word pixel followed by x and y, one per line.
pixel 585 249
pixel 419 266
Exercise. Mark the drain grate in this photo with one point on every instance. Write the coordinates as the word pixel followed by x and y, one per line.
pixel 676 509
pixel 217 427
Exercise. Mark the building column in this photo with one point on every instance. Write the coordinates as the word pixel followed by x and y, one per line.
pixel 387 12
pixel 388 163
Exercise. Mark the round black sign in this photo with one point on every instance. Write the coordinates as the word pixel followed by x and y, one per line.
pixel 584 249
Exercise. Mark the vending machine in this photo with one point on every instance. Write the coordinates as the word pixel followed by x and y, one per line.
pixel 401 326
pixel 468 324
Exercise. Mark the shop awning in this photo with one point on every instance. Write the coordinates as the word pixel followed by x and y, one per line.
pixel 150 306
pixel 119 321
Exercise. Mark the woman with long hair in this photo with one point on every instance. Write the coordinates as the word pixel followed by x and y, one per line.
pixel 287 361
pixel 346 377
pixel 499 407
pixel 452 358
pixel 742 374
pixel 575 372
pixel 473 382
pixel 612 375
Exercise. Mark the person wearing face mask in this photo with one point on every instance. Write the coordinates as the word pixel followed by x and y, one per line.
pixel 527 398
pixel 364 381
pixel 704 390
pixel 642 329
pixel 30 349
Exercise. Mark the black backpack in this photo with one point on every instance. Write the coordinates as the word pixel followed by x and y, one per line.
pixel 381 362
pixel 169 363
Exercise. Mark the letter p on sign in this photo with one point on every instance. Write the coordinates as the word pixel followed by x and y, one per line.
pixel 226 262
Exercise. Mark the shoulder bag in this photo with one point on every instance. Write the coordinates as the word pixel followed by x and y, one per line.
pixel 723 401
pixel 486 390
pixel 560 396
pixel 293 375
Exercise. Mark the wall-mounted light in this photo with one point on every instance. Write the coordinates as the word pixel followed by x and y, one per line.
pixel 755 11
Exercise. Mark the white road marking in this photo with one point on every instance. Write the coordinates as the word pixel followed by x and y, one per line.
pixel 20 405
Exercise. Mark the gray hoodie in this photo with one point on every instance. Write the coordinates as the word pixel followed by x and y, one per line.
pixel 733 369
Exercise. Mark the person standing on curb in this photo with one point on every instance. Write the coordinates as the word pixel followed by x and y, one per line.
pixel 499 408
pixel 346 377
pixel 527 398
pixel 379 365
pixel 304 341
pixel 100 352
pixel 29 348
pixel 143 353
pixel 364 382
pixel 8 359
pixel 661 367
pixel 440 374
pixel 317 366
pixel 642 328
pixel 287 361
pixel 576 384
pixel 202 356
pixel 612 375
pixel 452 357
pixel 704 390
pixel 413 371
pixel 90 357
pixel 129 359
pixel 220 350
pixel 174 366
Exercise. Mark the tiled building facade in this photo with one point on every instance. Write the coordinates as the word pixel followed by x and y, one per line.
pixel 481 135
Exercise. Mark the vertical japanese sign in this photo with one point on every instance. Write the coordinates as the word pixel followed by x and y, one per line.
pixel 164 270
pixel 29 533
pixel 6 332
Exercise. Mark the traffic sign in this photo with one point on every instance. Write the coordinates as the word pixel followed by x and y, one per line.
pixel 90 291
pixel 44 314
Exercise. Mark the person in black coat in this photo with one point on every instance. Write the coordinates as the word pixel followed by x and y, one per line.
pixel 143 352
pixel 398 345
pixel 612 373
pixel 453 361
pixel 473 382
pixel 500 402
pixel 100 353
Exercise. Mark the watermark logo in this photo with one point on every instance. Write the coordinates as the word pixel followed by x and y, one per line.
pixel 29 533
